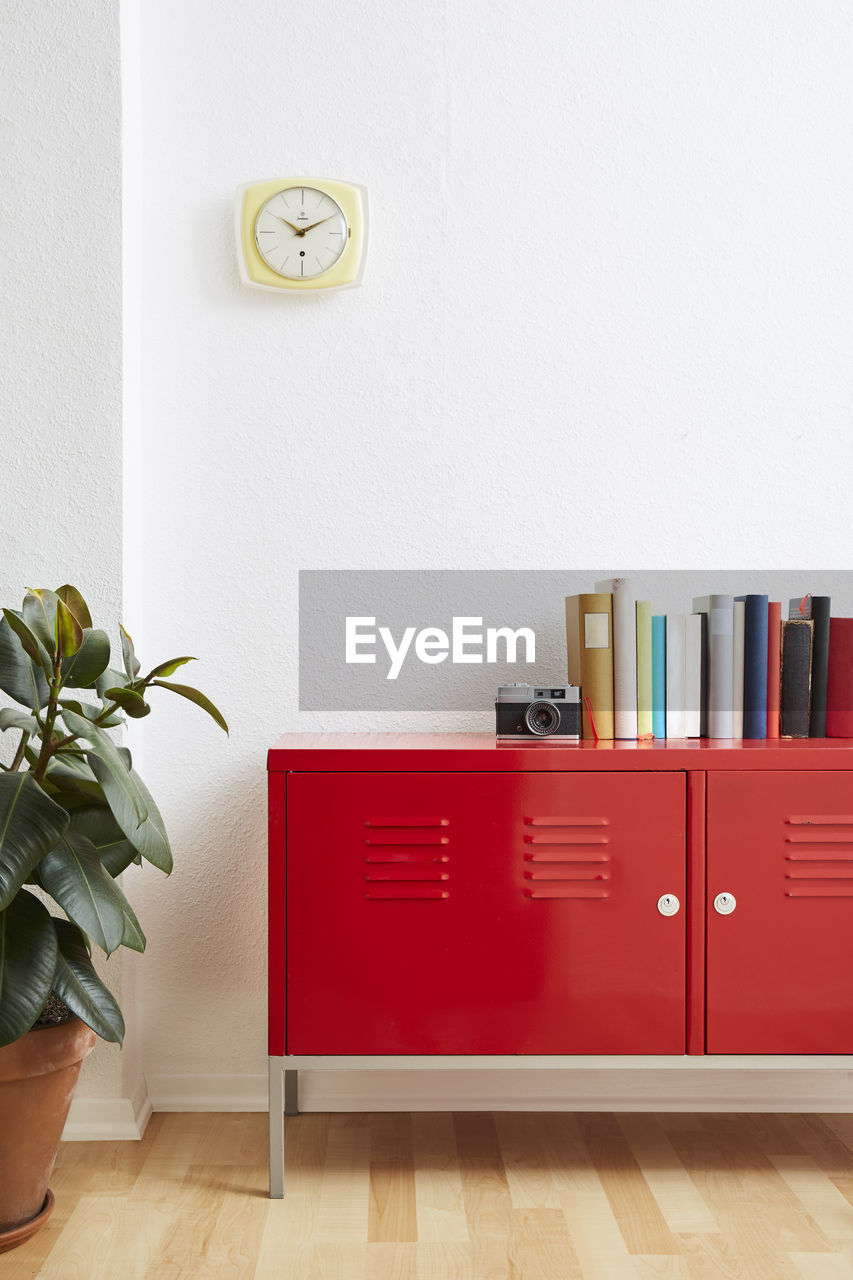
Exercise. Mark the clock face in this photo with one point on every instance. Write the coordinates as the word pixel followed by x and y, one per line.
pixel 301 232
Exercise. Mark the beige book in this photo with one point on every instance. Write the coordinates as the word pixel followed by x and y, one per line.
pixel 589 649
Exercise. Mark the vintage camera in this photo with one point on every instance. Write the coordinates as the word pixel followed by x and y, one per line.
pixel 538 711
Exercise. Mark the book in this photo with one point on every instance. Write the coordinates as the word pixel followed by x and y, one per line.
pixel 774 665
pixel 839 685
pixel 717 721
pixel 796 677
pixel 695 661
pixel 589 650
pixel 676 643
pixel 624 654
pixel 754 666
pixel 738 625
pixel 659 676
pixel 644 669
pixel 820 665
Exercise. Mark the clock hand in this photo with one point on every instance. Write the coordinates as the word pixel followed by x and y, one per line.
pixel 300 231
pixel 317 224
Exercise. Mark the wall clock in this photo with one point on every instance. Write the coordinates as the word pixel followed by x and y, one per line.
pixel 301 233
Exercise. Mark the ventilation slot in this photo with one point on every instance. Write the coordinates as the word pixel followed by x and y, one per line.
pixel 567 861
pixel 552 891
pixel 557 872
pixel 570 822
pixel 407 822
pixel 405 869
pixel 820 855
pixel 821 820
pixel 838 872
pixel 398 892
pixel 820 891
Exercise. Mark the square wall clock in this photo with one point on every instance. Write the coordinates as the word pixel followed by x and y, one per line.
pixel 301 233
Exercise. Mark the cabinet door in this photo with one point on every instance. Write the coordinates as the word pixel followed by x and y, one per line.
pixel 485 913
pixel 780 966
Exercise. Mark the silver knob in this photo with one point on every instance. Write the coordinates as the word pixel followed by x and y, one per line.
pixel 725 903
pixel 668 904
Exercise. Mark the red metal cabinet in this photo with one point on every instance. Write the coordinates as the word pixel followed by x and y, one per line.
pixel 484 912
pixel 780 965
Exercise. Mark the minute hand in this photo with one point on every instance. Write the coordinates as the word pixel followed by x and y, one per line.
pixel 317 224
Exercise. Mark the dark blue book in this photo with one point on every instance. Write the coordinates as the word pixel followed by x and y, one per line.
pixel 659 676
pixel 754 666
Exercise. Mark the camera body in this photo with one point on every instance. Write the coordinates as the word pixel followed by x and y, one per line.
pixel 537 712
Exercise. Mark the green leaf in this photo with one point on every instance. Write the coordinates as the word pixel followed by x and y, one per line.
pixel 20 678
pixel 106 751
pixel 194 696
pixel 75 602
pixel 97 823
pixel 168 668
pixel 30 826
pixel 29 643
pixel 110 678
pixel 12 719
pixel 28 951
pixel 90 661
pixel 39 610
pixel 89 712
pixel 76 982
pixel 69 633
pixel 133 936
pixel 129 700
pixel 70 763
pixel 131 663
pixel 148 837
pixel 73 875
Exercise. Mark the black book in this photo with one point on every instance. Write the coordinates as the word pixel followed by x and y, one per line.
pixel 820 665
pixel 796 677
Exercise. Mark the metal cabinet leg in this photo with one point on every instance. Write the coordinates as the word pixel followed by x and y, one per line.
pixel 291 1093
pixel 276 1128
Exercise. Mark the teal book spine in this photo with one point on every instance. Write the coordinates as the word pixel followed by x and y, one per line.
pixel 659 676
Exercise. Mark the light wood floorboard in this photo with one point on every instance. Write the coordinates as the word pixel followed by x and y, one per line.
pixel 469 1196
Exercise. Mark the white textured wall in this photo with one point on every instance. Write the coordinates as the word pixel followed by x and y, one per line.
pixel 612 247
pixel 60 368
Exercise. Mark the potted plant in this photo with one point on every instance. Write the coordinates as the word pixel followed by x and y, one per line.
pixel 74 814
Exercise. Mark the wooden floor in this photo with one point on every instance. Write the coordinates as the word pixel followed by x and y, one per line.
pixel 456 1197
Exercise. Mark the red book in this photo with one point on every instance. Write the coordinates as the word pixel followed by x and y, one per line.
pixel 839 685
pixel 774 666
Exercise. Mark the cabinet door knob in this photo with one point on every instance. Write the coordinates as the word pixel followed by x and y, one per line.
pixel 668 904
pixel 725 903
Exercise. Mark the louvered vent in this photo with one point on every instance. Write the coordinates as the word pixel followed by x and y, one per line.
pixel 407 859
pixel 819 856
pixel 566 857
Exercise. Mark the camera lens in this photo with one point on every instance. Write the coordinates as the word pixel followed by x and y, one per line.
pixel 542 718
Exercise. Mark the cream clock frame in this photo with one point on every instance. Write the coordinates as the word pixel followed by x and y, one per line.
pixel 346 272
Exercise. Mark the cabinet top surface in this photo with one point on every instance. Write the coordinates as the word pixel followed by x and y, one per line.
pixel 466 751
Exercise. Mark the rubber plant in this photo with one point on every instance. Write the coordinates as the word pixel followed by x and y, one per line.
pixel 74 813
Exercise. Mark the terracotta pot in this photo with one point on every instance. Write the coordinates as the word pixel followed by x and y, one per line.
pixel 37 1078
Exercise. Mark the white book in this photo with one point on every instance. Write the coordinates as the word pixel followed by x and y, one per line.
pixel 738 624
pixel 693 676
pixel 719 609
pixel 624 595
pixel 676 640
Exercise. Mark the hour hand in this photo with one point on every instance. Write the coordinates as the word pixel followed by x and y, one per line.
pixel 300 231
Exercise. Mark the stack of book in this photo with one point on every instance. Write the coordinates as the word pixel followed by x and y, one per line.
pixel 731 668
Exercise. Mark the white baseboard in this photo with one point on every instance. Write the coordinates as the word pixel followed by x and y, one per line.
pixel 108 1119
pixel 208 1093
pixel 648 1089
